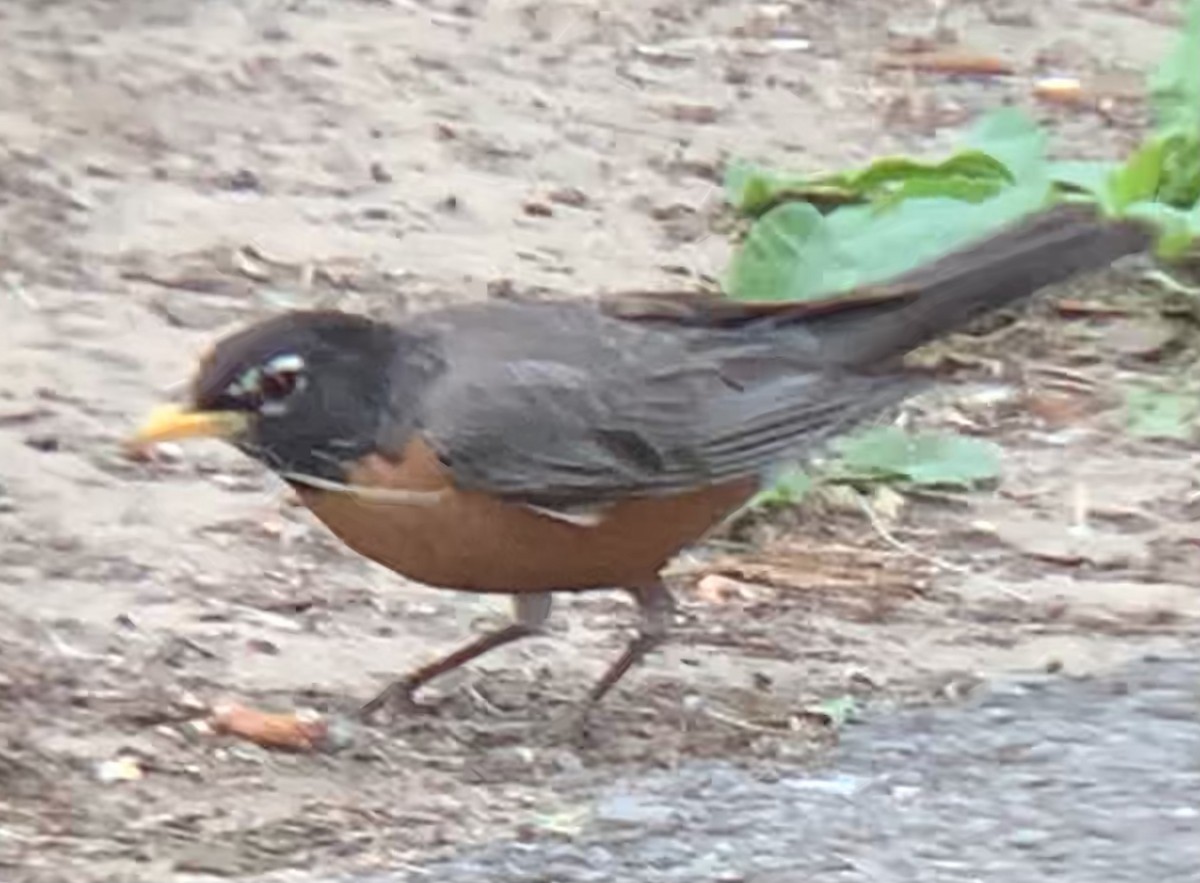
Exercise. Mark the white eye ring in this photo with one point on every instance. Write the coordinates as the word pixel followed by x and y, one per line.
pixel 288 363
pixel 288 368
pixel 267 387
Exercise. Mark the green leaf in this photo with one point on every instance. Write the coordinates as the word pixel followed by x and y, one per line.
pixel 785 256
pixel 935 458
pixel 1084 176
pixel 1014 138
pixel 1175 85
pixel 969 174
pixel 836 712
pixel 1164 169
pixel 751 189
pixel 960 188
pixel 917 212
pixel 967 167
pixel 795 253
pixel 789 488
pixel 1154 413
pixel 1178 230
pixel 1180 185
pixel 1138 179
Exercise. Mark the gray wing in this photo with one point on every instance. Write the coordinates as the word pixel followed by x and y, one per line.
pixel 561 428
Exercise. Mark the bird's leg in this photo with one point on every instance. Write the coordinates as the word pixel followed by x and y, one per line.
pixel 655 609
pixel 530 611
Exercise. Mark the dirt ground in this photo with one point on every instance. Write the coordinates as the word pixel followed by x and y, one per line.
pixel 171 168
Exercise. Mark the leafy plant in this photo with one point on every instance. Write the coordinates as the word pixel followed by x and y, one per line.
pixel 902 214
pixel 813 235
pixel 817 234
pixel 969 175
pixel 888 453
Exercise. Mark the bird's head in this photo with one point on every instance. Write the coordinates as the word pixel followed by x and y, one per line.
pixel 304 392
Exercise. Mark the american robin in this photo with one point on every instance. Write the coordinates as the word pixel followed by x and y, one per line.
pixel 528 448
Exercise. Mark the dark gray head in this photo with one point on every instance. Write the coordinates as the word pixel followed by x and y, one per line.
pixel 304 392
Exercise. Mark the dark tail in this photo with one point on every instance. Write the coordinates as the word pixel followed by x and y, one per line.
pixel 1040 250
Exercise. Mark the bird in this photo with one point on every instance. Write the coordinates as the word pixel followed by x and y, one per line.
pixel 526 448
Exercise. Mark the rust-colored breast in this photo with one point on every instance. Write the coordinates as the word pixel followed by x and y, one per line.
pixel 467 540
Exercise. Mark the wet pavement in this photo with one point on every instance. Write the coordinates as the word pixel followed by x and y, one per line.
pixel 1080 780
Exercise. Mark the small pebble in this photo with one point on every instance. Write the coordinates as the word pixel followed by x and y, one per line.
pixel 120 769
pixel 244 180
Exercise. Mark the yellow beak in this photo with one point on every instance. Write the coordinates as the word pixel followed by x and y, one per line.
pixel 168 422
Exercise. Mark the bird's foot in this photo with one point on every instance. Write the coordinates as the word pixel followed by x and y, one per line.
pixel 397 698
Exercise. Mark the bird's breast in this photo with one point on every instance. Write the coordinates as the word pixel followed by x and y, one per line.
pixel 468 540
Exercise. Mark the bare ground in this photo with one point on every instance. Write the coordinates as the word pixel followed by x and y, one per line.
pixel 171 168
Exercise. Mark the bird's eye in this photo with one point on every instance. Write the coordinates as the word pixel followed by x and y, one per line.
pixel 266 387
pixel 280 377
pixel 277 386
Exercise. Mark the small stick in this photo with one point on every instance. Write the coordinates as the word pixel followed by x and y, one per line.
pixel 889 538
